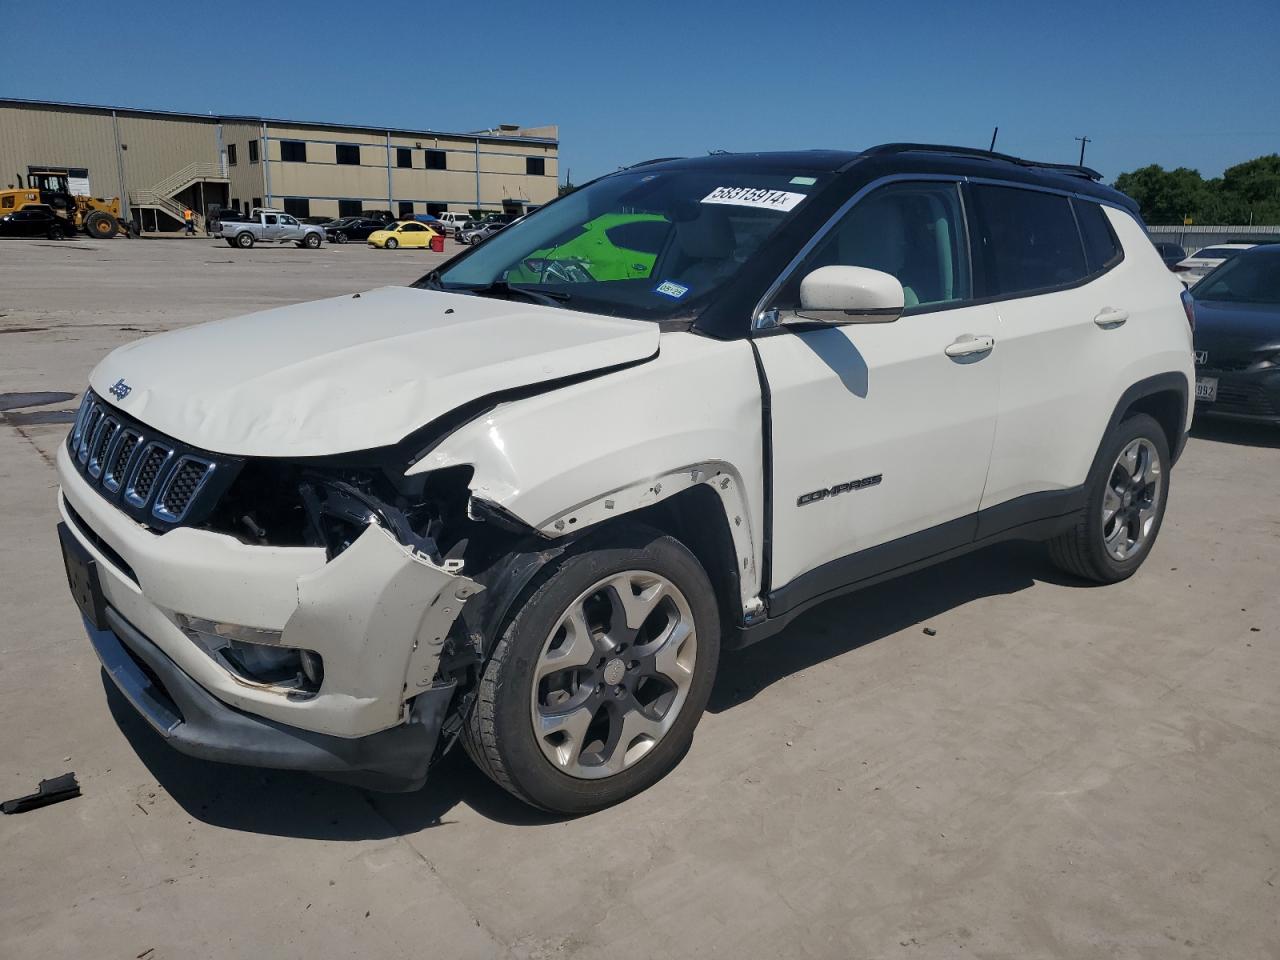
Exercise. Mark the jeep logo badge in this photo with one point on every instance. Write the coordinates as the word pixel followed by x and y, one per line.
pixel 120 389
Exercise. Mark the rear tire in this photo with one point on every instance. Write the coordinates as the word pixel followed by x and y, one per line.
pixel 100 225
pixel 629 677
pixel 1127 491
pixel 244 240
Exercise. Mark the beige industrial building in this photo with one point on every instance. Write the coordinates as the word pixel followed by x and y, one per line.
pixel 159 162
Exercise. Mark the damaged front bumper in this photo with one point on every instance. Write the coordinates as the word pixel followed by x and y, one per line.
pixel 196 723
pixel 378 616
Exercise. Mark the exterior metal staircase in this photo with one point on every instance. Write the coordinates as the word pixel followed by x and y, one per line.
pixel 161 195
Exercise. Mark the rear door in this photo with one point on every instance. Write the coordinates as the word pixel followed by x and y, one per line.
pixel 883 430
pixel 270 227
pixel 1049 262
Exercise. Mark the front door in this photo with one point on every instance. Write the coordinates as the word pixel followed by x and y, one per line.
pixel 883 430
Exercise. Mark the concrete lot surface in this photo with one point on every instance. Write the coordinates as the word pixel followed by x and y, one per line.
pixel 1061 771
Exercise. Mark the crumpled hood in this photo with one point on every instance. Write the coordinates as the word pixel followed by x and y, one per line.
pixel 353 372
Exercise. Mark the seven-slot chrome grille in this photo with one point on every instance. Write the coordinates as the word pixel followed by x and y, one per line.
pixel 157 480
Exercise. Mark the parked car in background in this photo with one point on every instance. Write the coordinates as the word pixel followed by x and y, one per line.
pixel 480 231
pixel 35 221
pixel 269 226
pixel 403 233
pixel 316 221
pixel 352 228
pixel 382 216
pixel 1171 253
pixel 345 535
pixel 451 221
pixel 1237 338
pixel 1192 269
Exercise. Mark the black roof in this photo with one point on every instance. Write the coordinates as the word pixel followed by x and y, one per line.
pixel 918 158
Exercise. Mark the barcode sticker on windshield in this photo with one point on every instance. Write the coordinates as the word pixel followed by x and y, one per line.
pixel 753 197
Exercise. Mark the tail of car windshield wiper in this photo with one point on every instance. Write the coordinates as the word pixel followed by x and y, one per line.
pixel 501 289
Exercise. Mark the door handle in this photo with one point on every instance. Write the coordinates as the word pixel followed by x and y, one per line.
pixel 967 345
pixel 1109 318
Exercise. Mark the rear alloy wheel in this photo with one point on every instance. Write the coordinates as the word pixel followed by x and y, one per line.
pixel 392 243
pixel 1127 489
pixel 594 690
pixel 244 240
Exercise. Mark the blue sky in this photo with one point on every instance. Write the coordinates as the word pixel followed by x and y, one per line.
pixel 1170 83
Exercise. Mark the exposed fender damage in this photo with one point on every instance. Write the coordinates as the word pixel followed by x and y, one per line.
pixel 564 461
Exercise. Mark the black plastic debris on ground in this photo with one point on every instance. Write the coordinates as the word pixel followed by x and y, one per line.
pixel 56 790
pixel 41 398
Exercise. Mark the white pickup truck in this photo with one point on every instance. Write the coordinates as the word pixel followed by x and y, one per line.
pixel 523 504
pixel 272 226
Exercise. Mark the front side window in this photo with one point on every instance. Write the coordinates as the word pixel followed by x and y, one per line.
pixel 289 221
pixel 413 228
pixel 1028 240
pixel 912 231
pixel 647 245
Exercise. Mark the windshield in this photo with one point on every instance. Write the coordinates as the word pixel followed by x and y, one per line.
pixel 648 245
pixel 1252 279
pixel 1215 253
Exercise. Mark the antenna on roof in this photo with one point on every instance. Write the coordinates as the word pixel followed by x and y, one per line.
pixel 994 133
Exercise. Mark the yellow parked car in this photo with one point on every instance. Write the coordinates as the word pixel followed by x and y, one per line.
pixel 406 233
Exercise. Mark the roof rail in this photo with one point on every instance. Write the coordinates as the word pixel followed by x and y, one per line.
pixel 1070 169
pixel 645 163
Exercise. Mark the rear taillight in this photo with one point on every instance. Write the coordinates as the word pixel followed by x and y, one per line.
pixel 1189 307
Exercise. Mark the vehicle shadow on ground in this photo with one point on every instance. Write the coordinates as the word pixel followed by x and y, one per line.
pixel 1236 431
pixel 281 803
pixel 855 620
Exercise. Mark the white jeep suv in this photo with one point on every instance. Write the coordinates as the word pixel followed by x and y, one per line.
pixel 525 502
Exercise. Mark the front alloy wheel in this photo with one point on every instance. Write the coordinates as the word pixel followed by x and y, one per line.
pixel 594 689
pixel 614 674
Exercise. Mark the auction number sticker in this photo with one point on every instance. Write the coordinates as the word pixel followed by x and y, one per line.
pixel 754 197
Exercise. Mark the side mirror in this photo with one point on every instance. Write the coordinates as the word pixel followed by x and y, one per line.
pixel 838 295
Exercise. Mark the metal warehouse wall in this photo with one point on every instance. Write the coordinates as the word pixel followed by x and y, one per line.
pixel 1193 238
pixel 128 150
pixel 61 137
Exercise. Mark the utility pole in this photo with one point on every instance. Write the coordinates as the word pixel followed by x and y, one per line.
pixel 1083 141
pixel 994 134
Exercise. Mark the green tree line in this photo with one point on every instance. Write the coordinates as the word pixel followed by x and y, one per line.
pixel 1246 194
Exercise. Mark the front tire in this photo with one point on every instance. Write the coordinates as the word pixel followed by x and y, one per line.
pixel 1127 490
pixel 392 243
pixel 311 241
pixel 339 237
pixel 594 690
pixel 100 225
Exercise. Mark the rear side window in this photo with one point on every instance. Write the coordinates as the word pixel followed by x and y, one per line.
pixel 1101 248
pixel 1028 240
